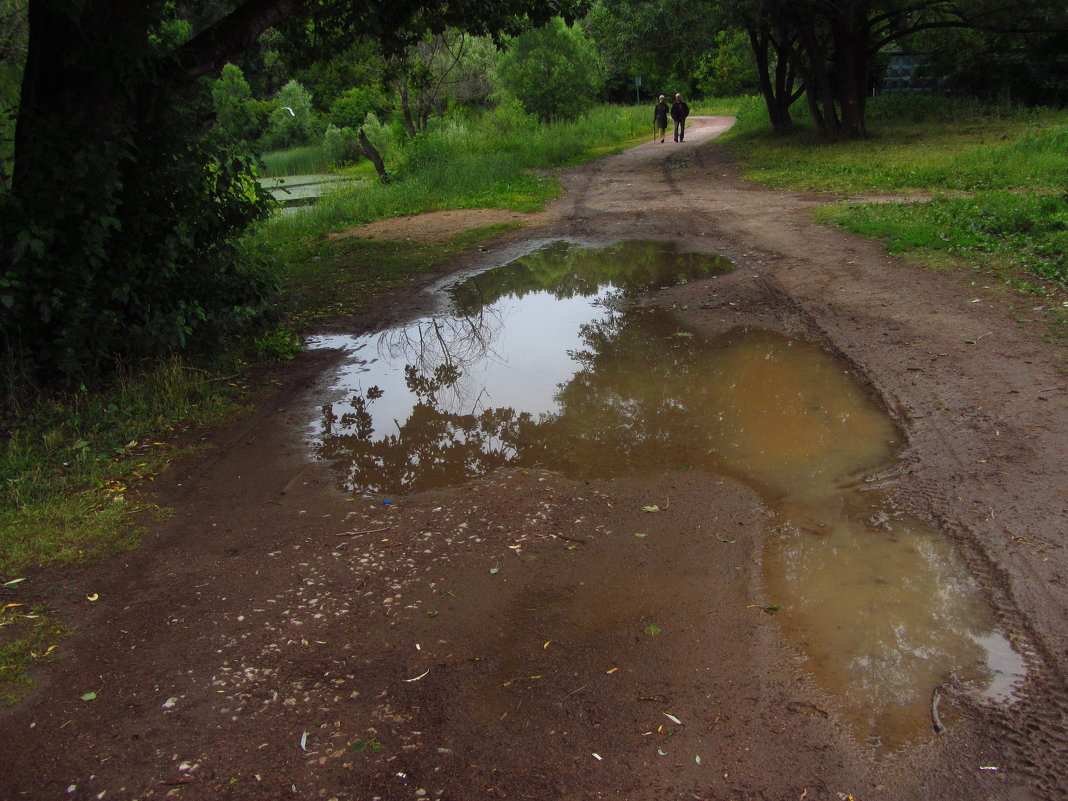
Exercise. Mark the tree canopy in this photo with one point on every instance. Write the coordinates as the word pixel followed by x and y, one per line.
pixel 553 71
pixel 120 225
pixel 826 48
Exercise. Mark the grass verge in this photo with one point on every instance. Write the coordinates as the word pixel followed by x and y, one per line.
pixel 66 470
pixel 984 189
pixel 498 159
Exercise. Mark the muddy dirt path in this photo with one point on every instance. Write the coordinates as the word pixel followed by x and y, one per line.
pixel 278 638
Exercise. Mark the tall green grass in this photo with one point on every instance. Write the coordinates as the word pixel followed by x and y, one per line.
pixel 306 160
pixel 720 106
pixel 496 159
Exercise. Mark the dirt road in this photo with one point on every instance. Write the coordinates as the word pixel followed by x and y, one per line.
pixel 511 638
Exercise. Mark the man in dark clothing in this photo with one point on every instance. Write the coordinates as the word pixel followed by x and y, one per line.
pixel 660 115
pixel 679 112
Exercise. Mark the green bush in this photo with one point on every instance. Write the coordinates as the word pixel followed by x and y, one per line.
pixel 337 145
pixel 352 107
pixel 293 121
pixel 554 71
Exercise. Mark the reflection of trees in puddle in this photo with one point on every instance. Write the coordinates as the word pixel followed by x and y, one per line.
pixel 606 424
pixel 644 397
pixel 440 353
pixel 451 435
pixel 566 271
pixel 438 444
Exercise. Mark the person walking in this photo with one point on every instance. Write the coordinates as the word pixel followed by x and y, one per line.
pixel 679 112
pixel 660 116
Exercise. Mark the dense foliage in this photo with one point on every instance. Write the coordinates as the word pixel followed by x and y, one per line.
pixel 119 232
pixel 553 71
pixel 120 229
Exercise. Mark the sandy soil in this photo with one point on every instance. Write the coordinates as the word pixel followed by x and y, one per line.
pixel 277 638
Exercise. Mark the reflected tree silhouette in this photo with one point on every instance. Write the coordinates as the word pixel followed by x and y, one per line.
pixel 439 443
pixel 621 409
pixel 567 271
pixel 441 351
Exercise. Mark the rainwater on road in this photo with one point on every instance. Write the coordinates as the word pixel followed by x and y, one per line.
pixel 549 362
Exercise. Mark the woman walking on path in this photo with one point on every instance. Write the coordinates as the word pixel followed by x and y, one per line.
pixel 660 115
pixel 679 112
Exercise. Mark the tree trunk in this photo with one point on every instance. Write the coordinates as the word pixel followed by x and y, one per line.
pixel 371 152
pixel 60 98
pixel 814 62
pixel 777 92
pixel 851 38
pixel 406 106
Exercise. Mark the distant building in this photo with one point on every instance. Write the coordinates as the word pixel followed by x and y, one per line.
pixel 900 75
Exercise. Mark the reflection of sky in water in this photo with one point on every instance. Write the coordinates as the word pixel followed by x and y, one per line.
pixel 518 361
pixel 528 373
pixel 885 615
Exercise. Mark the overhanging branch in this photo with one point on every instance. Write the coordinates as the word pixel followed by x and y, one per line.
pixel 233 34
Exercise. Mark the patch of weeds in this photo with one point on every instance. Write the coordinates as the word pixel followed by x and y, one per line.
pixel 27 637
pixel 1020 239
pixel 370 746
pixel 278 345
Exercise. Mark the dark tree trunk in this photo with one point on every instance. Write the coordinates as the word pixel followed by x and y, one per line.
pixel 851 45
pixel 60 97
pixel 816 113
pixel 371 152
pixel 406 107
pixel 777 89
pixel 209 51
pixel 813 60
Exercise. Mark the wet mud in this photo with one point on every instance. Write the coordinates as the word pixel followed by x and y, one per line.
pixel 584 630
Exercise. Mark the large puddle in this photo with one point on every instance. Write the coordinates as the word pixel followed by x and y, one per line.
pixel 545 362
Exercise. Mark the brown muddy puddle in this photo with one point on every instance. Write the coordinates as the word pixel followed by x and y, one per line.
pixel 545 362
